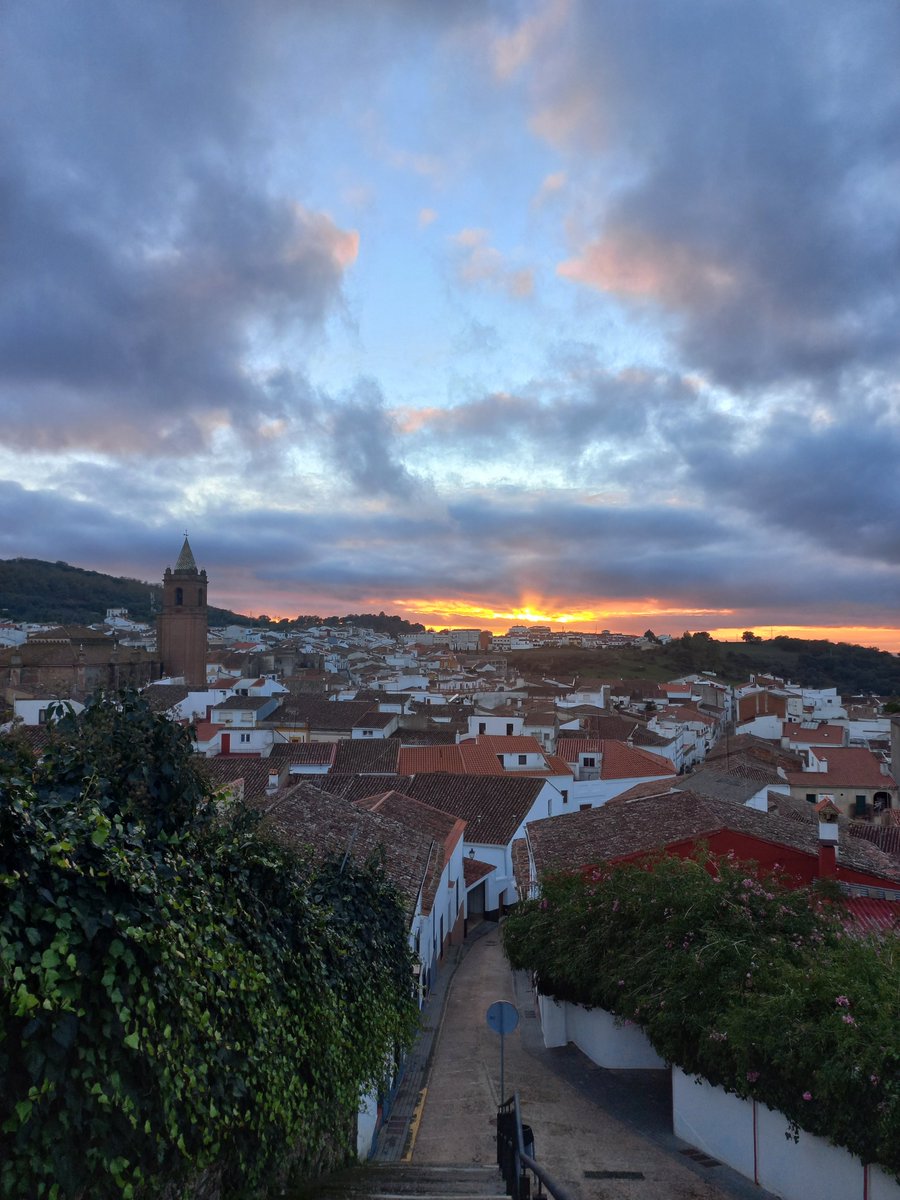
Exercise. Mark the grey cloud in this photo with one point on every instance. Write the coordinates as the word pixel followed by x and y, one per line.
pixel 759 206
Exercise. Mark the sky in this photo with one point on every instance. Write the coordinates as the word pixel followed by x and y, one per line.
pixel 583 312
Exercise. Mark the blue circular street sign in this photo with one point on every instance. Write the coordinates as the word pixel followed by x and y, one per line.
pixel 502 1017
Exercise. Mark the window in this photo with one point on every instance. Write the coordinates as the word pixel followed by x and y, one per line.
pixel 199 595
pixel 482 726
pixel 860 806
pixel 584 807
pixel 811 797
pixel 590 761
pixel 509 729
pixel 179 596
pixel 565 795
pixel 367 732
pixel 245 737
pixel 523 759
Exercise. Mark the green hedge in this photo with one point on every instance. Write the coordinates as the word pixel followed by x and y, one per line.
pixel 178 993
pixel 758 988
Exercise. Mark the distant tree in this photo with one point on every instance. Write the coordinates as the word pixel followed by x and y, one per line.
pixel 650 636
pixel 749 636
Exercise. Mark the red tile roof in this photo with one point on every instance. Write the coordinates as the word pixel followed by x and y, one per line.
pixel 848 766
pixel 620 830
pixel 822 735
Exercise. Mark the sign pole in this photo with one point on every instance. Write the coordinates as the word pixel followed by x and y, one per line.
pixel 503 1018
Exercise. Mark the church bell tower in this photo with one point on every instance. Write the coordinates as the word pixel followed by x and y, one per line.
pixel 182 624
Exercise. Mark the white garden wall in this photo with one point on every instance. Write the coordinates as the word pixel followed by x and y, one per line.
pixel 598 1034
pixel 751 1138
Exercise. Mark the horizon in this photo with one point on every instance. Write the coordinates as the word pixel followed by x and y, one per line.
pixel 559 308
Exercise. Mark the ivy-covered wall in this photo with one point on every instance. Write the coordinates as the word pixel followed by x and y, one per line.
pixel 180 996
pixel 758 988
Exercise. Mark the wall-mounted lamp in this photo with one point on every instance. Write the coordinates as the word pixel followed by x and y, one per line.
pixel 472 853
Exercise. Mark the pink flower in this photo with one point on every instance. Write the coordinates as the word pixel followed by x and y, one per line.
pixel 621 983
pixel 615 906
pixel 847 1019
pixel 874 1080
pixel 842 1001
pixel 752 1076
pixel 807 1095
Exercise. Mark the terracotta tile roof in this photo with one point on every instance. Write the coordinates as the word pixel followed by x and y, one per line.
pixel 311 820
pixel 822 735
pixel 885 837
pixel 310 753
pixel 848 767
pixel 162 696
pixel 620 761
pixel 374 719
pixel 754 749
pixel 436 824
pixel 493 807
pixel 425 737
pixel 361 755
pixel 629 762
pixel 357 787
pixel 475 869
pixel 620 830
pixel 325 716
pixel 505 744
pixel 479 757
pixel 221 771
pixel 721 785
pixel 36 737
pixel 242 703
pixel 204 730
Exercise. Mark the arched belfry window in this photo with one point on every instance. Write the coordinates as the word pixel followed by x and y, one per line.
pixel 179 595
pixel 199 595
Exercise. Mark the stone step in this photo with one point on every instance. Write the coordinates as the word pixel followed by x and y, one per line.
pixel 410 1181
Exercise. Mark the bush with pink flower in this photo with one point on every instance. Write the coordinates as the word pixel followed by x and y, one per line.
pixel 736 977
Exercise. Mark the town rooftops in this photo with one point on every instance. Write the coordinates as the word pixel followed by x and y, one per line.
pixel 848 766
pixel 642 826
pixel 312 821
pixel 619 760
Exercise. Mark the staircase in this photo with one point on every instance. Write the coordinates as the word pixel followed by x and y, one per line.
pixel 408 1181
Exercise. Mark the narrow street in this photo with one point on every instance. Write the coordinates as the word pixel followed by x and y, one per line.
pixel 568 1102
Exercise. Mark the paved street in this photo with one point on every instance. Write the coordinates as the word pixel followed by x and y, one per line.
pixel 605 1134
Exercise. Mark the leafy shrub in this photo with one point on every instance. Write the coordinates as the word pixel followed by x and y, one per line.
pixel 178 993
pixel 737 978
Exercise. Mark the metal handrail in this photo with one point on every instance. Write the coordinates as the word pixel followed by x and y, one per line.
pixel 515 1164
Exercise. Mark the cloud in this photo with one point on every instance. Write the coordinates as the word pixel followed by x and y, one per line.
pixel 427 216
pixel 745 146
pixel 479 264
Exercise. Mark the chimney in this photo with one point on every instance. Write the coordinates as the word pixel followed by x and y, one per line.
pixel 828 813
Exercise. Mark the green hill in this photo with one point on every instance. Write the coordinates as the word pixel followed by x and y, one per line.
pixel 34 590
pixel 853 670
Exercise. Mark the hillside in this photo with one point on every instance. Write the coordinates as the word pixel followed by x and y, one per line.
pixel 853 670
pixel 34 590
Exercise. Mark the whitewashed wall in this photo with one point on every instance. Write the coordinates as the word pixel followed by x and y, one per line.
pixel 722 1125
pixel 598 1034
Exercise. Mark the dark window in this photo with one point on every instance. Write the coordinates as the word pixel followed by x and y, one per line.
pixel 590 762
pixel 509 729
pixel 482 726
pixel 565 795
pixel 199 595
pixel 523 759
pixel 811 797
pixel 179 595
pixel 860 806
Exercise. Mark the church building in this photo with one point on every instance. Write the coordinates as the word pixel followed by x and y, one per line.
pixel 182 624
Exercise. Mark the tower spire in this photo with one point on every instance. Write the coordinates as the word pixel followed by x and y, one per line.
pixel 186 557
